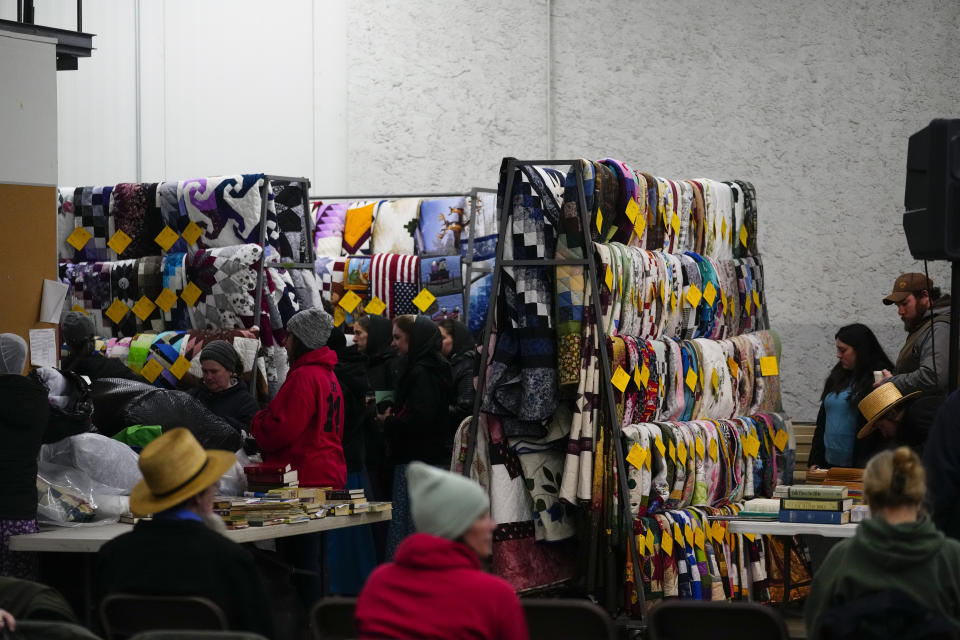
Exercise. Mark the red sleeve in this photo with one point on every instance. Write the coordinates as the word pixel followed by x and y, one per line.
pixel 512 622
pixel 288 414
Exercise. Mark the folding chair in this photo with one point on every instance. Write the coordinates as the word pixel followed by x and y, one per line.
pixel 124 615
pixel 551 618
pixel 715 620
pixel 198 635
pixel 332 619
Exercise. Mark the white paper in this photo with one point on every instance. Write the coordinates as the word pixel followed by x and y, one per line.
pixel 43 347
pixel 51 302
pixel 247 348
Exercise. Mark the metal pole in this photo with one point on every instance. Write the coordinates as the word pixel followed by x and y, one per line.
pixel 626 517
pixel 258 297
pixel 506 211
pixel 468 261
pixel 28 13
pixel 952 381
pixel 79 16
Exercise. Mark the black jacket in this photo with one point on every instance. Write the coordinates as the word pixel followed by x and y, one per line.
pixel 235 405
pixel 418 428
pixel 96 366
pixel 184 557
pixel 941 460
pixel 23 422
pixel 351 372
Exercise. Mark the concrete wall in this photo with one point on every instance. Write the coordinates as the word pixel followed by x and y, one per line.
pixel 812 101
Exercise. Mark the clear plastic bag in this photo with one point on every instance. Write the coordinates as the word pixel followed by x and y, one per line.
pixel 68 497
pixel 105 461
pixel 234 481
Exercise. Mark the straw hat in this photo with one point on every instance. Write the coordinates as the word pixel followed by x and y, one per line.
pixel 878 402
pixel 175 467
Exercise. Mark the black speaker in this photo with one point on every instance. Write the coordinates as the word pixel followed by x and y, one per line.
pixel 931 199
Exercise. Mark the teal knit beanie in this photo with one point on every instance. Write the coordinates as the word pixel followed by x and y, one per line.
pixel 444 504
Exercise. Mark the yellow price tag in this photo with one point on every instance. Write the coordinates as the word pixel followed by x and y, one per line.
pixel 80 309
pixel 749 536
pixel 375 307
pixel 640 226
pixel 637 455
pixel 620 379
pixel 191 234
pixel 691 379
pixel 339 316
pixel 190 294
pixel 166 238
pixel 694 295
pixel 151 370
pixel 713 450
pixel 780 440
pixel 648 459
pixel 659 444
pixel 688 533
pixel 682 452
pixel 751 446
pixel 180 366
pixel 734 367
pixel 608 278
pixel 144 308
pixel 710 293
pixel 716 531
pixel 698 447
pixel 748 305
pixel 666 543
pixel 424 299
pixel 632 211
pixel 650 540
pixel 166 299
pixel 663 295
pixel 677 534
pixel 117 310
pixel 675 224
pixel 600 223
pixel 79 238
pixel 743 235
pixel 119 242
pixel 349 301
pixel 768 366
pixel 715 381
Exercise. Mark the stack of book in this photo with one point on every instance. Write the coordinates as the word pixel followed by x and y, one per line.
pixel 239 513
pixel 263 477
pixel 816 504
pixel 347 501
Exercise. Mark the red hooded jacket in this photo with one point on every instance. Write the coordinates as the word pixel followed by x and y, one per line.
pixel 434 589
pixel 303 424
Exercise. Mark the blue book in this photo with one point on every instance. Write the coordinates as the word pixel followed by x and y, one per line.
pixel 809 516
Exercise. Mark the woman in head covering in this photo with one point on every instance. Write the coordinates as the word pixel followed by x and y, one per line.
pixel 896 559
pixel 835 442
pixel 22 424
pixel 416 427
pixel 372 336
pixel 219 390
pixel 459 348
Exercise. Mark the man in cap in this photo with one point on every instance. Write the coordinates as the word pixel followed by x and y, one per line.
pixel 181 550
pixel 923 361
pixel 78 333
pixel 435 588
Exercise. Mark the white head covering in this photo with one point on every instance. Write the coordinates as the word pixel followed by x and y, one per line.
pixel 13 353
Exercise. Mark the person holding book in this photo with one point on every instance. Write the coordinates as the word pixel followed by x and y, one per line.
pixel 220 391
pixel 372 336
pixel 897 556
pixel 417 427
pixel 435 587
pixel 459 348
pixel 181 551
pixel 835 442
pixel 303 424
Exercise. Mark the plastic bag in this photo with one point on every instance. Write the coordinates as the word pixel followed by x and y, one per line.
pixel 68 497
pixel 234 481
pixel 105 461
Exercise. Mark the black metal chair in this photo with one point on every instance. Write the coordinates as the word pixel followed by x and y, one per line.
pixel 332 619
pixel 198 635
pixel 47 630
pixel 124 615
pixel 715 620
pixel 551 618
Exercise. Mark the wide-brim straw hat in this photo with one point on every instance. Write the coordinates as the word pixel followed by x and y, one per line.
pixel 877 403
pixel 175 467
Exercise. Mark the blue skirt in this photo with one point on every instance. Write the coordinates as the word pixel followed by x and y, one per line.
pixel 350 552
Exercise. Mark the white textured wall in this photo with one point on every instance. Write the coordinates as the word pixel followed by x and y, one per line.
pixel 811 101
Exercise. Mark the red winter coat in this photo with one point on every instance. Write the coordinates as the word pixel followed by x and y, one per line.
pixel 434 588
pixel 303 424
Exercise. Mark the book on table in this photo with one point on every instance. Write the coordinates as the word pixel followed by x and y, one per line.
pixel 808 516
pixel 816 504
pixel 833 492
pixel 267 467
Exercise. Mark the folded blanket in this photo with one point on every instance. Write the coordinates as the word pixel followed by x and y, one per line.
pixel 227 276
pixel 287 199
pixel 394 226
pixel 133 210
pixel 228 209
pixel 357 227
pixel 172 214
pixel 328 229
pixel 486 228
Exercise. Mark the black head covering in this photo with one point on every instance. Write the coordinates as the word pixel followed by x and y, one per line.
pixel 379 336
pixel 463 341
pixel 223 352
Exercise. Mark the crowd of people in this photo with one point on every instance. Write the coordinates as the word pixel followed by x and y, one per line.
pixel 379 413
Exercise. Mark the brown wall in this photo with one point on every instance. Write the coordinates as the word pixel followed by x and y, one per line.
pixel 28 254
